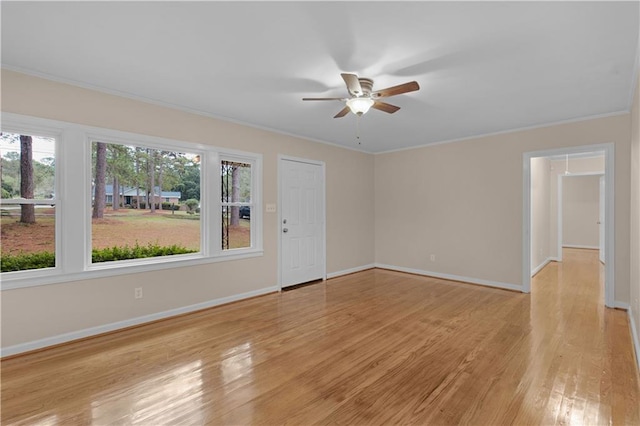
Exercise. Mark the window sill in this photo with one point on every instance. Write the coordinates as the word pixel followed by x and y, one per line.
pixel 100 270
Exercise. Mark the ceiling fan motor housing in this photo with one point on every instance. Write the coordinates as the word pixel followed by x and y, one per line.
pixel 366 85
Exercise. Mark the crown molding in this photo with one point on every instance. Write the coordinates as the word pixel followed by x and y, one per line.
pixel 513 130
pixel 170 105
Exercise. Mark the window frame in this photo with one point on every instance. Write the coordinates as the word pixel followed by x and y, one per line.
pixel 55 133
pixel 235 158
pixel 73 213
pixel 142 142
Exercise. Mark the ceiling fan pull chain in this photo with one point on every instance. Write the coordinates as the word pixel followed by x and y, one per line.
pixel 358 128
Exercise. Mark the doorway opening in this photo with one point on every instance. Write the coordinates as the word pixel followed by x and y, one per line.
pixel 568 204
pixel 580 209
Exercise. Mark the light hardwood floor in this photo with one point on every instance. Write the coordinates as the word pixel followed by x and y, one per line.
pixel 376 347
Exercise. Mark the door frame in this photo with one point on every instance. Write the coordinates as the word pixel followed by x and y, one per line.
pixel 602 231
pixel 281 158
pixel 560 210
pixel 609 175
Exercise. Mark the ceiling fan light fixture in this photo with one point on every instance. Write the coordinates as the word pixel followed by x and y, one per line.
pixel 362 98
pixel 360 106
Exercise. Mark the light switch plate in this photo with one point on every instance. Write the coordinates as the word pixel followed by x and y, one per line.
pixel 271 208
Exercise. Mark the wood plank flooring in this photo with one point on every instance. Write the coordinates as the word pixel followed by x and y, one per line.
pixel 376 347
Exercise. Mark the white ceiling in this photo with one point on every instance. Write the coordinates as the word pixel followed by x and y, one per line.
pixel 483 67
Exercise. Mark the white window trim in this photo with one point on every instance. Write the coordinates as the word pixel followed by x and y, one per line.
pixel 73 249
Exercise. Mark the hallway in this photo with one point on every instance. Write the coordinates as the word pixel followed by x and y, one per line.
pixel 587 346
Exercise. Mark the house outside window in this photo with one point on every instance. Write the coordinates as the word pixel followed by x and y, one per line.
pixel 140 188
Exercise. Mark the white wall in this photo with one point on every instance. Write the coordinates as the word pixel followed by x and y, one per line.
pixel 34 313
pixel 580 211
pixel 465 201
pixel 540 212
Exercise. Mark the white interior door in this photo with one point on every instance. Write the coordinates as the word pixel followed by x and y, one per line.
pixel 601 219
pixel 301 222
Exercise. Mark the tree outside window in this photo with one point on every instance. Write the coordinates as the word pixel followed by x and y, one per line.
pixel 139 199
pixel 27 169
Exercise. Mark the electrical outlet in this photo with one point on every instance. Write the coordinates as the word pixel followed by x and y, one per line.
pixel 137 293
pixel 433 257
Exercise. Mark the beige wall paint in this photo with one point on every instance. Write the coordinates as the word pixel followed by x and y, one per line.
pixel 580 211
pixel 635 215
pixel 540 211
pixel 38 312
pixel 462 201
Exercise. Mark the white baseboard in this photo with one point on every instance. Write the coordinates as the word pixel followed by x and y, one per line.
pixel 621 305
pixel 487 283
pixel 580 246
pixel 635 338
pixel 92 331
pixel 542 265
pixel 350 271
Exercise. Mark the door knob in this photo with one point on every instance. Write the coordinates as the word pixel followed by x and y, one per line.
pixel 285 230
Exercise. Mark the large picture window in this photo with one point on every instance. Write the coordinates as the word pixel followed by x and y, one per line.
pixel 28 220
pixel 81 202
pixel 145 202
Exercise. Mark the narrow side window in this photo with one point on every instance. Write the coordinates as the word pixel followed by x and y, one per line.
pixel 28 207
pixel 236 204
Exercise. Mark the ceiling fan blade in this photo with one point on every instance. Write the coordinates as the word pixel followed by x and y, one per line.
pixel 396 90
pixel 383 106
pixel 353 84
pixel 322 99
pixel 344 111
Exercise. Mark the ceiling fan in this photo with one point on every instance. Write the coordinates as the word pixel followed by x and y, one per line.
pixel 362 98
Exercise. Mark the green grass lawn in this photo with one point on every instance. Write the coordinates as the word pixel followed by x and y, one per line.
pixel 120 228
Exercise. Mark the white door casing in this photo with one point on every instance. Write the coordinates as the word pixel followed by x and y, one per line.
pixel 302 212
pixel 609 217
pixel 601 219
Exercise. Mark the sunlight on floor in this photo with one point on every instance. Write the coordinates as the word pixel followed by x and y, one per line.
pixel 177 392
